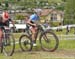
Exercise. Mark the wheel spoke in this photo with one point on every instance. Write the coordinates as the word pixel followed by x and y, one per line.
pixel 25 43
pixel 9 45
pixel 49 41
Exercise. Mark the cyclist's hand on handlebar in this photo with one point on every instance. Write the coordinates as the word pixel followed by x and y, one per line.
pixel 34 25
pixel 6 27
pixel 14 28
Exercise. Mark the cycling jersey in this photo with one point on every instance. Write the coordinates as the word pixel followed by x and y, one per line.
pixel 1 21
pixel 6 23
pixel 34 17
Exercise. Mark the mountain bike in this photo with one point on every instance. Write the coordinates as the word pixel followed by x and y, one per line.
pixel 8 42
pixel 48 40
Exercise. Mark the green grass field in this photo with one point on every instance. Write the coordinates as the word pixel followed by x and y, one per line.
pixel 66 50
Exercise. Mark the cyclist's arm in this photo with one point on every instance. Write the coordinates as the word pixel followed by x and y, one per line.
pixel 29 22
pixel 13 23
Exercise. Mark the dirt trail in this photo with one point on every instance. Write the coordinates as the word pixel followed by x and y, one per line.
pixel 34 54
pixel 58 54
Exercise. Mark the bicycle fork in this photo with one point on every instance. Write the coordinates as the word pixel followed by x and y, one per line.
pixel 46 38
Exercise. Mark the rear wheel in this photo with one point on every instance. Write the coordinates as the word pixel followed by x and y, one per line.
pixel 25 43
pixel 49 41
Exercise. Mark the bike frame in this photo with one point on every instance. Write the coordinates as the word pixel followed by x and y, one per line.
pixel 39 30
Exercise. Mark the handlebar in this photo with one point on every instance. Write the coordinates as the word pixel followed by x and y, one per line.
pixel 7 28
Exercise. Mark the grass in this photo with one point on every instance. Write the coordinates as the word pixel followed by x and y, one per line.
pixel 66 50
pixel 64 45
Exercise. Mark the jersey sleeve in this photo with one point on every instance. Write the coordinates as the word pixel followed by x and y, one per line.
pixel 32 17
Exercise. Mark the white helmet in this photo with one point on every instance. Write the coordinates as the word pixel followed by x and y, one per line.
pixel 38 10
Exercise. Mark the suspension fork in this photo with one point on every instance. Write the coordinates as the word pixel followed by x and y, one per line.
pixel 45 36
pixel 6 37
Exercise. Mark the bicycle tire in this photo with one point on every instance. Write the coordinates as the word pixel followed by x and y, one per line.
pixel 25 42
pixel 5 48
pixel 1 48
pixel 49 40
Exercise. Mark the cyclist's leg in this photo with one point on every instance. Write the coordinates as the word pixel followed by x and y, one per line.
pixel 33 29
pixel 0 37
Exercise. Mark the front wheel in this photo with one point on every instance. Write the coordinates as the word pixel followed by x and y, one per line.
pixel 49 41
pixel 8 45
pixel 25 43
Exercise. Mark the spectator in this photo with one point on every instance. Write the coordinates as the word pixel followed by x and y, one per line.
pixel 60 28
pixel 67 29
pixel 46 24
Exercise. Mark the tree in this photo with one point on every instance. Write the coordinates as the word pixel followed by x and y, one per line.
pixel 70 12
pixel 18 0
pixel 19 17
pixel 64 0
pixel 6 4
